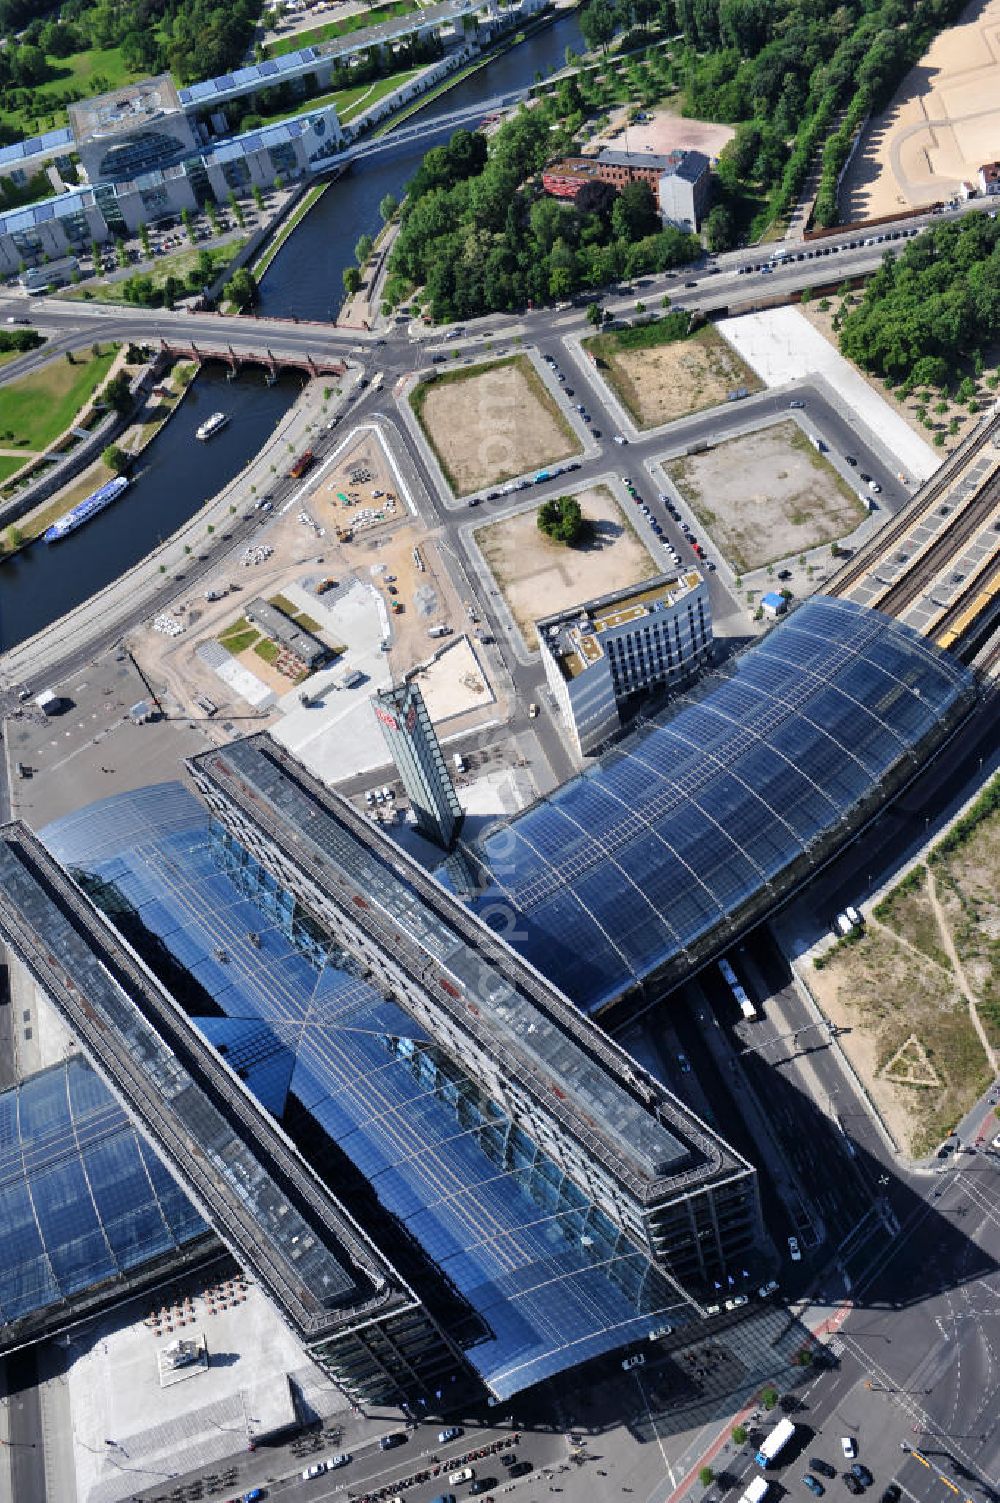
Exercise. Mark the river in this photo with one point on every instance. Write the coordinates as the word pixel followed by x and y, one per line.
pixel 178 474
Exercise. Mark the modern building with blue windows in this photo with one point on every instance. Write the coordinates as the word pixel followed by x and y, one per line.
pixel 628 877
pixel 407 1128
pixel 505 1191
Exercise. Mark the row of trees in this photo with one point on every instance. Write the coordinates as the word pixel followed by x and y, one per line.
pixel 927 315
pixel 480 234
pixel 802 73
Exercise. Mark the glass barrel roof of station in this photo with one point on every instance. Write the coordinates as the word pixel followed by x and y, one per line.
pixel 546 1280
pixel 711 801
pixel 84 1200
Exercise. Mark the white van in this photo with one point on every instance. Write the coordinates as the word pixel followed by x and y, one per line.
pixel 465 1475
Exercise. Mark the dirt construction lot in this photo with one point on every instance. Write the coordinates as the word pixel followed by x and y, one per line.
pixel 537 576
pixel 941 126
pixel 664 131
pixel 668 381
pixel 490 423
pixel 766 496
pixel 920 993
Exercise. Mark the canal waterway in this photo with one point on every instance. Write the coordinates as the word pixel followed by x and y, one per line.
pixel 178 474
pixel 175 476
pixel 305 280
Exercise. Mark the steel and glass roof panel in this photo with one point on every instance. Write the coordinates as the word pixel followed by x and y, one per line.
pixel 684 823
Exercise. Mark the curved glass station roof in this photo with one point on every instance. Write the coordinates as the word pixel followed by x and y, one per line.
pixel 545 1279
pixel 711 806
pixel 83 1198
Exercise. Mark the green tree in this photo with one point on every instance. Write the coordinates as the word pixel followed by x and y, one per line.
pixel 241 289
pixel 388 208
pixel 116 459
pixel 706 1476
pixel 352 280
pixel 363 249
pixel 144 240
pixel 739 1435
pixel 634 213
pixel 598 22
pixel 258 199
pixel 595 314
pixel 769 1397
pixel 720 228
pixel 562 520
pixel 118 393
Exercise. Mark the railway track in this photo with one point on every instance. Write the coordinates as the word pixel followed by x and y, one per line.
pixel 974 613
pixel 942 551
pixel 866 560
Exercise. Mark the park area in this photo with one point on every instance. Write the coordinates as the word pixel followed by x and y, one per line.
pixel 36 409
pixel 939 128
pixel 766 496
pixel 661 373
pixel 538 577
pixel 919 993
pixel 488 423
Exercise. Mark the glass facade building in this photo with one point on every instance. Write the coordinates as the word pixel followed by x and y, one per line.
pixel 525 1271
pixel 620 881
pixel 86 1206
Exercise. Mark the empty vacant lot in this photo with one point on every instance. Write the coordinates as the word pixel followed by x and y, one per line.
pixel 766 496
pixel 537 576
pixel 489 423
pixel 660 379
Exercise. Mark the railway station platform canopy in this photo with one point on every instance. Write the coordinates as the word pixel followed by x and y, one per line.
pixel 86 1206
pixel 654 859
pixel 529 1276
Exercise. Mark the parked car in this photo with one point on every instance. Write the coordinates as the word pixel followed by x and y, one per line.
pixel 737 1302
pixel 392 1440
pixel 852 1484
pixel 849 1446
pixel 814 1485
pixel 862 1473
pixel 794 1251
pixel 817 1464
pixel 891 1493
pixel 637 1361
pixel 316 1470
pixel 334 1463
pixel 451 1432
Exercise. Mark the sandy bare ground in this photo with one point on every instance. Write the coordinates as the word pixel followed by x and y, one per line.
pixel 494 422
pixel 537 576
pixel 669 381
pixel 766 496
pixel 941 125
pixel 664 131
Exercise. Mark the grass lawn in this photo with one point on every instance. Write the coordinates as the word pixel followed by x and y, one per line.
pixel 267 650
pixel 238 637
pixel 334 29
pixel 37 408
pixel 93 72
pixel 8 465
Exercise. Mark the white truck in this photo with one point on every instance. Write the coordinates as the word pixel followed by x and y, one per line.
pixel 757 1491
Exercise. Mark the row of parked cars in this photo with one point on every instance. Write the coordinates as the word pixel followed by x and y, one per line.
pixel 781 257
pixel 856 1479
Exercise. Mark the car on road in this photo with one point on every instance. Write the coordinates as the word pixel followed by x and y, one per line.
pixel 316 1470
pixel 849 1446
pixel 891 1494
pixel 874 487
pixel 620 440
pixel 817 1464
pixel 522 1468
pixel 482 1485
pixel 852 1484
pixel 794 1251
pixel 254 1495
pixel 784 573
pixel 737 1302
pixel 684 1063
pixel 850 459
pixel 690 284
pixel 595 432
pixel 392 1440
pixel 770 1288
pixel 814 1485
pixel 637 1361
pixel 863 476
pixel 508 1458
pixel 334 1463
pixel 451 1432
pixel 862 1473
pixel 796 403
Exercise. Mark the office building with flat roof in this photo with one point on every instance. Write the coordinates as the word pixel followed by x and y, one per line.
pixel 606 651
